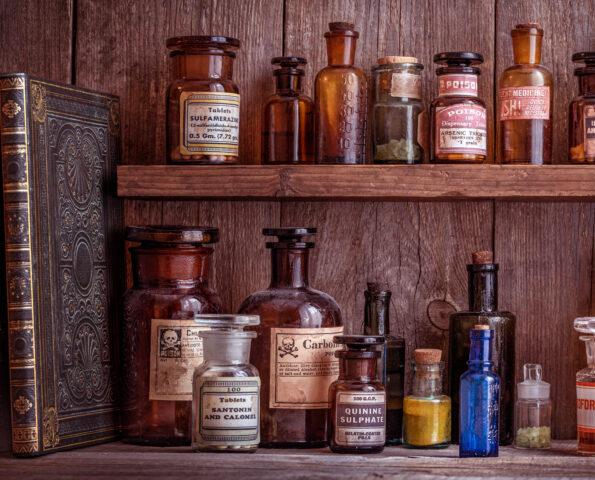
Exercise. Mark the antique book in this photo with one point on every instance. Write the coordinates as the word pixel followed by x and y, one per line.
pixel 62 244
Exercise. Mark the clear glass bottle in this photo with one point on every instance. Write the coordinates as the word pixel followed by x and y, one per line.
pixel 526 102
pixel 160 343
pixel 203 102
pixel 458 117
pixel 288 124
pixel 341 96
pixel 483 309
pixel 357 422
pixel 533 418
pixel 391 364
pixel 480 399
pixel 585 389
pixel 426 412
pixel 294 350
pixel 225 387
pixel 581 118
pixel 397 126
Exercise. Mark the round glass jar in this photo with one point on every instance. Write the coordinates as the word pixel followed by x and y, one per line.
pixel 397 112
pixel 203 102
pixel 161 346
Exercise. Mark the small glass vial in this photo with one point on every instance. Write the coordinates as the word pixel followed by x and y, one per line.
pixel 288 124
pixel 480 399
pixel 458 116
pixel 426 412
pixel 533 410
pixel 203 102
pixel 226 387
pixel 581 118
pixel 357 422
pixel 585 389
pixel 396 120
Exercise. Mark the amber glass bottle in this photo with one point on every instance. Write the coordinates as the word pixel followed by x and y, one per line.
pixel 288 123
pixel 581 118
pixel 458 116
pixel 526 100
pixel 160 341
pixel 341 95
pixel 357 423
pixel 203 103
pixel 294 350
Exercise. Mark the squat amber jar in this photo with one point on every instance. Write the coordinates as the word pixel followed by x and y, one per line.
pixel 161 345
pixel 203 102
pixel 581 118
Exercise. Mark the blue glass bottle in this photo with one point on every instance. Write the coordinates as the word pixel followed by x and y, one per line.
pixel 479 399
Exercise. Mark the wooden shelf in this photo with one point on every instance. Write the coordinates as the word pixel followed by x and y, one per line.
pixel 358 182
pixel 118 460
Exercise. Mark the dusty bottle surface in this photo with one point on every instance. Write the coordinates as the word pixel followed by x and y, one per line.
pixel 357 422
pixel 294 350
pixel 585 389
pixel 288 124
pixel 427 412
pixel 341 95
pixel 391 364
pixel 458 117
pixel 203 102
pixel 483 309
pixel 397 114
pixel 533 418
pixel 225 387
pixel 526 102
pixel 160 342
pixel 581 118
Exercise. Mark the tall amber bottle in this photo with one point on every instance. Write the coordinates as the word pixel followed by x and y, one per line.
pixel 288 123
pixel 581 118
pixel 526 101
pixel 341 96
pixel 294 351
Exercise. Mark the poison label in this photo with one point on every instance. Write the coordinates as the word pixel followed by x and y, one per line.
pixel 463 85
pixel 461 129
pixel 585 407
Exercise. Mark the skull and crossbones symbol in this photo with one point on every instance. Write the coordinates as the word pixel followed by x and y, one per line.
pixel 288 347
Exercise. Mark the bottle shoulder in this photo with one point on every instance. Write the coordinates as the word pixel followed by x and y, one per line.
pixel 480 376
pixel 330 73
pixel 209 369
pixel 520 75
pixel 450 100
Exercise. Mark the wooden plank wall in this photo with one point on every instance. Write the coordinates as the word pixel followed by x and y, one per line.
pixel 419 248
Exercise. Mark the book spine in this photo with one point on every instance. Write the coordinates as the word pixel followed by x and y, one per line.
pixel 16 172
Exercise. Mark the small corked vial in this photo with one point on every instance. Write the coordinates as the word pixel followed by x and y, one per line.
pixel 484 257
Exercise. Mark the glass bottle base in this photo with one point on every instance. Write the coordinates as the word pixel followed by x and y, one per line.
pixel 225 448
pixel 157 441
pixel 427 447
pixel 356 450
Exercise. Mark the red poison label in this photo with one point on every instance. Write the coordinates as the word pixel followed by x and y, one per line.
pixel 464 85
pixel 461 129
pixel 524 103
pixel 585 406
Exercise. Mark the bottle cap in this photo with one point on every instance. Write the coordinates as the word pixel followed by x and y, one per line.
pixel 531 28
pixel 588 58
pixel 359 341
pixel 395 59
pixel 481 327
pixel 289 237
pixel 226 325
pixel 200 42
pixel 427 355
pixel 585 325
pixel 533 387
pixel 172 234
pixel 458 58
pixel 484 257
pixel 341 28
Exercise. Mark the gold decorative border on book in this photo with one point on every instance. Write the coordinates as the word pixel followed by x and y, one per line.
pixel 12 83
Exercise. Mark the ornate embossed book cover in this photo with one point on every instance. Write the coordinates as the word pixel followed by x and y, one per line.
pixel 60 146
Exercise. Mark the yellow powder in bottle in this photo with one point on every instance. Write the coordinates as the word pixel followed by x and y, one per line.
pixel 426 421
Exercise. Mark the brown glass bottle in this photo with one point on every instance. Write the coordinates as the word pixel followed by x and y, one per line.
pixel 203 103
pixel 160 343
pixel 526 102
pixel 357 398
pixel 458 117
pixel 288 123
pixel 483 310
pixel 294 350
pixel 581 118
pixel 341 96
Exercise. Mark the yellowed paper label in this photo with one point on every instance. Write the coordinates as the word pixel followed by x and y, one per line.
pixel 210 123
pixel 405 84
pixel 176 350
pixel 303 365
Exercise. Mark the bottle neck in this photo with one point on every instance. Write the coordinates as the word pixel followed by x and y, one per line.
pixel 202 65
pixel 289 267
pixel 288 82
pixel 480 353
pixel 376 313
pixel 590 345
pixel 340 50
pixel 223 349
pixel 483 288
pixel 527 48
pixel 427 381
pixel 586 83
pixel 357 368
pixel 181 267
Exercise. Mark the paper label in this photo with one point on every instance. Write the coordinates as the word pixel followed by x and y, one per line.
pixel 303 365
pixel 464 85
pixel 176 350
pixel 589 116
pixel 585 407
pixel 524 103
pixel 461 129
pixel 210 123
pixel 228 411
pixel 405 84
pixel 360 418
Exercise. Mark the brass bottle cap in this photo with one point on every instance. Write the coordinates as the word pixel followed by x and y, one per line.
pixel 427 355
pixel 481 327
pixel 484 257
pixel 395 59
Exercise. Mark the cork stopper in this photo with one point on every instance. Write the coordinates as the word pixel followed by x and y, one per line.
pixel 395 59
pixel 341 26
pixel 427 355
pixel 484 257
pixel 481 327
pixel 527 25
